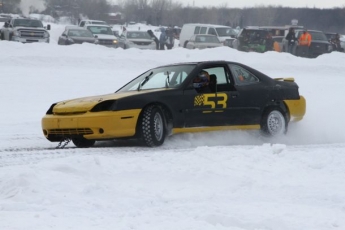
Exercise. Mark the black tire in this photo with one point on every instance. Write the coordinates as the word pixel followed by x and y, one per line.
pixel 274 122
pixel 152 126
pixel 81 142
pixel 185 44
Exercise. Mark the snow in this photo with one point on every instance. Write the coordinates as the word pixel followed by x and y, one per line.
pixel 232 180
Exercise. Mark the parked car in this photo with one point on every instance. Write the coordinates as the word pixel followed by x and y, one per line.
pixel 319 43
pixel 25 30
pixel 104 34
pixel 202 41
pixel 76 35
pixel 83 23
pixel 136 39
pixel 251 40
pixel 165 100
pixel 224 33
pixel 335 47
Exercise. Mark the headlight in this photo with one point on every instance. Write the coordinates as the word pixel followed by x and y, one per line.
pixel 115 41
pixel 109 105
pixel 46 35
pixel 16 33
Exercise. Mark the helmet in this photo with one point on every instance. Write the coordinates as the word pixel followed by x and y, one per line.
pixel 201 80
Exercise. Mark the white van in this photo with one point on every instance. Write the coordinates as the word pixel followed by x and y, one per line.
pixel 224 33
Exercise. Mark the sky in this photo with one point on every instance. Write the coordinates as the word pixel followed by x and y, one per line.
pixel 253 3
pixel 234 180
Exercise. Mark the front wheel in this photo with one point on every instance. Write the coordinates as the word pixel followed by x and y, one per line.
pixel 152 126
pixel 274 122
pixel 81 142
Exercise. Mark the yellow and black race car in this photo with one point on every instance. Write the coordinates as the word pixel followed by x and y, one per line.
pixel 184 97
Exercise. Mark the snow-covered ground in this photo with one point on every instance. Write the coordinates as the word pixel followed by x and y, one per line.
pixel 231 180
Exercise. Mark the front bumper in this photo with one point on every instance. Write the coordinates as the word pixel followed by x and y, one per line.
pixel 29 40
pixel 142 47
pixel 92 126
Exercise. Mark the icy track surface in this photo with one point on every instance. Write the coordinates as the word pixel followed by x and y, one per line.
pixel 219 180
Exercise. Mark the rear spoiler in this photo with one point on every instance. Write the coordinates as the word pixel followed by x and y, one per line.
pixel 290 79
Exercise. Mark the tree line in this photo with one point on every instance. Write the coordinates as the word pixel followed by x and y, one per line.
pixel 174 13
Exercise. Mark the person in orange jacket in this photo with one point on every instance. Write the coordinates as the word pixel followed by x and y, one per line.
pixel 304 43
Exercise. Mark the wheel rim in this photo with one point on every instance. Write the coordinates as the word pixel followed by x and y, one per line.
pixel 275 123
pixel 158 126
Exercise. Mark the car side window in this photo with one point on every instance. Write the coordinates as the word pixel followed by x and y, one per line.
pixel 212 31
pixel 196 30
pixel 203 30
pixel 242 76
pixel 82 24
pixel 218 76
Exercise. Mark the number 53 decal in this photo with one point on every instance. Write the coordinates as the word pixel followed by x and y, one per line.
pixel 211 99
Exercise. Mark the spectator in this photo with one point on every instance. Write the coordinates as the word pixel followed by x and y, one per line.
pixel 269 42
pixel 336 43
pixel 291 39
pixel 150 32
pixel 171 38
pixel 304 43
pixel 162 39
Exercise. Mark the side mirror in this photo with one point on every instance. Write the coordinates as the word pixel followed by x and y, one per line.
pixel 64 35
pixel 96 36
pixel 6 24
pixel 48 27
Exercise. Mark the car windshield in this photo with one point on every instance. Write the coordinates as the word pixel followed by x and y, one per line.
pixel 100 30
pixel 162 77
pixel 207 39
pixel 138 35
pixel 225 32
pixel 98 23
pixel 27 23
pixel 80 33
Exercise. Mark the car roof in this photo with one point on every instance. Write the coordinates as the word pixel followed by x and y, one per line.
pixel 298 30
pixel 205 35
pixel 100 25
pixel 88 20
pixel 201 24
pixel 74 27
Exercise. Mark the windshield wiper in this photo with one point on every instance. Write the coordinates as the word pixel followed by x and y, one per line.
pixel 167 82
pixel 143 82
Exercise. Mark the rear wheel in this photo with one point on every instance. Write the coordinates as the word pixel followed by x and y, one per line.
pixel 152 126
pixel 274 122
pixel 81 142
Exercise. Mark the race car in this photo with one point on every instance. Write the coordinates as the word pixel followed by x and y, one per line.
pixel 168 99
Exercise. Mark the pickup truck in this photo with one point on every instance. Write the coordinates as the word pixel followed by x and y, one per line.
pixel 25 30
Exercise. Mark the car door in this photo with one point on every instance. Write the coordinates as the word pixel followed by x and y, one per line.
pixel 211 108
pixel 249 95
pixel 190 44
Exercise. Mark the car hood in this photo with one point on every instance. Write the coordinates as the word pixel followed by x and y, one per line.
pixel 29 28
pixel 207 45
pixel 105 36
pixel 85 104
pixel 139 40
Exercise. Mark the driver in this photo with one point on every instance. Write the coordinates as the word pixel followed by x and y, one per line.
pixel 201 82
